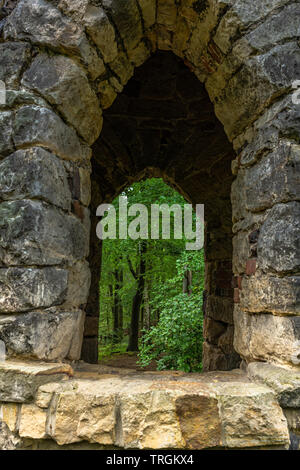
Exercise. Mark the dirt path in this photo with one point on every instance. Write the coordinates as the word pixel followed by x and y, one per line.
pixel 126 361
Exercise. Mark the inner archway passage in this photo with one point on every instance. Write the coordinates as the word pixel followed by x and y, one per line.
pixel 163 124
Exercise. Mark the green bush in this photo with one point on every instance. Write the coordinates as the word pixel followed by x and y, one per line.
pixel 176 342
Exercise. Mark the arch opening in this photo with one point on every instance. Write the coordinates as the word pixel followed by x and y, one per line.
pixel 163 124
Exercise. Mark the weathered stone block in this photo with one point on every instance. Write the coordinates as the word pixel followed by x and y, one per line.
pixel 9 414
pixel 245 408
pixel 6 144
pixel 265 337
pixel 19 381
pixel 102 32
pixel 284 382
pixel 215 359
pixel 293 419
pixel 41 126
pixel 36 233
pixel 220 309
pixel 78 285
pixel 255 84
pixel 127 20
pixel 280 26
pixel 76 9
pixel 274 179
pixel 199 421
pixel 148 419
pixel 107 94
pixel 148 8
pixel 50 336
pixel 64 84
pixel 8 440
pixel 32 422
pixel 74 414
pixel 41 23
pixel 23 289
pixel 188 411
pixel 241 252
pixel 35 173
pixel 212 329
pixel 10 70
pixel 85 186
pixel 278 247
pixel 241 15
pixel 279 295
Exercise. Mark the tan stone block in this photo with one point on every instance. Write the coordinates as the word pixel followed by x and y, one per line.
pixel 102 32
pixel 199 421
pixel 32 422
pixel 85 186
pixel 250 416
pixel 161 429
pixel 266 337
pixel 148 8
pixel 139 54
pixel 167 13
pixel 107 94
pixel 97 423
pixel 9 413
pixel 70 407
pixel 181 36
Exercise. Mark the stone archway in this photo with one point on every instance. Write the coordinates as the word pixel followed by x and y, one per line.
pixel 71 59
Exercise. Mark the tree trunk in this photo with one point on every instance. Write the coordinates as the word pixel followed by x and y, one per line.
pixel 120 306
pixel 115 315
pixel 137 301
pixel 187 282
pixel 147 312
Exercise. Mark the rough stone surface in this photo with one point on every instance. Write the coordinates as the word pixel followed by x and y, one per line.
pixel 8 441
pixel 32 422
pixel 78 285
pixel 23 289
pixel 70 59
pixel 10 70
pixel 102 32
pixel 127 19
pixel 284 382
pixel 9 414
pixel 245 409
pixel 279 295
pixel 278 246
pixel 41 23
pixel 266 337
pixel 64 84
pixel 47 335
pixel 36 233
pixel 19 381
pixel 6 144
pixel 35 125
pixel 154 411
pixel 37 174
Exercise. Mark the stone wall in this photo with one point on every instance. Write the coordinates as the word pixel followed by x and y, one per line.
pixel 51 406
pixel 71 59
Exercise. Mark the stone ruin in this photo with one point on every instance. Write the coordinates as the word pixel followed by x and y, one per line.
pixel 99 94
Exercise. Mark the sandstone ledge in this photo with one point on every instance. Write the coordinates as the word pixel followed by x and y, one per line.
pixel 150 410
pixel 284 382
pixel 19 380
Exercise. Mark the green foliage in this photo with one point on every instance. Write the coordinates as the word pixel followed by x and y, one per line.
pixel 176 341
pixel 175 336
